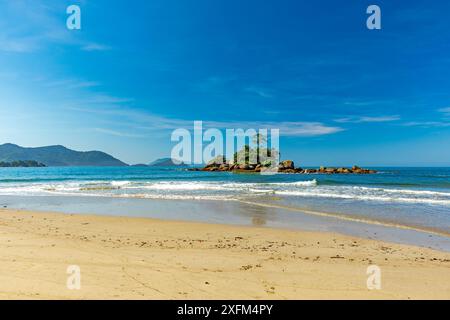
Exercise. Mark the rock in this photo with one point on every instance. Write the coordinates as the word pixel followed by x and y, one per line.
pixel 213 165
pixel 287 164
pixel 217 161
pixel 266 163
pixel 269 170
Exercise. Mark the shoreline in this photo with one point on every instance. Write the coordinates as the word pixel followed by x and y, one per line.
pixel 356 218
pixel 341 217
pixel 236 213
pixel 143 258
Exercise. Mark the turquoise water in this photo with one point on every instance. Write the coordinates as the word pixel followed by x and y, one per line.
pixel 418 197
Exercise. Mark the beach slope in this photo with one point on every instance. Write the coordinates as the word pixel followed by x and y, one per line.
pixel 132 258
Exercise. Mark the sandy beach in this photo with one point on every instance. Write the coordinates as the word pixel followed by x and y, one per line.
pixel 137 258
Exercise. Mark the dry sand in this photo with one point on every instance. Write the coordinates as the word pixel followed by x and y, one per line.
pixel 131 258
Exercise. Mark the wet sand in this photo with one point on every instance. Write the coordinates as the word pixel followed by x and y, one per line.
pixel 139 258
pixel 233 213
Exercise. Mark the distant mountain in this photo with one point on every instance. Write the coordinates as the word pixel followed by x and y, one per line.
pixel 166 162
pixel 58 156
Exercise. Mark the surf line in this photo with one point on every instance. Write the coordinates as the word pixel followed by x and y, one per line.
pixel 347 218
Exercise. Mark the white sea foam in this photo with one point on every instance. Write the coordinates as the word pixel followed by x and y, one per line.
pixel 182 186
pixel 120 183
pixel 404 191
pixel 176 197
pixel 220 190
pixel 310 183
pixel 365 197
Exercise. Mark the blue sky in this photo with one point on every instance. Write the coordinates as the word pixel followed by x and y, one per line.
pixel 340 93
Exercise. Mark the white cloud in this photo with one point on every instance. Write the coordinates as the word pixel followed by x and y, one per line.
pixel 368 119
pixel 426 124
pixel 263 93
pixel 214 83
pixel 368 103
pixel 445 110
pixel 95 47
pixel 117 133
pixel 287 128
pixel 72 83
pixel 150 122
pixel 306 129
pixel 84 84
pixel 444 122
pixel 20 45
pixel 42 26
pixel 106 99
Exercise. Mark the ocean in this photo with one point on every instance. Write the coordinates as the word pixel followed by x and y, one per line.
pixel 416 198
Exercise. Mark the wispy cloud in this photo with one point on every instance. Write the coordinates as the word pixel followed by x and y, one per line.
pixel 426 124
pixel 105 99
pixel 440 123
pixel 72 83
pixel 214 83
pixel 263 93
pixel 304 129
pixel 95 47
pixel 446 111
pixel 43 27
pixel 367 103
pixel 368 119
pixel 151 122
pixel 118 133
pixel 85 84
pixel 287 128
pixel 22 45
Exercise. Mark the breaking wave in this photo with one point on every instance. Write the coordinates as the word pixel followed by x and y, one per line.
pixel 222 190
